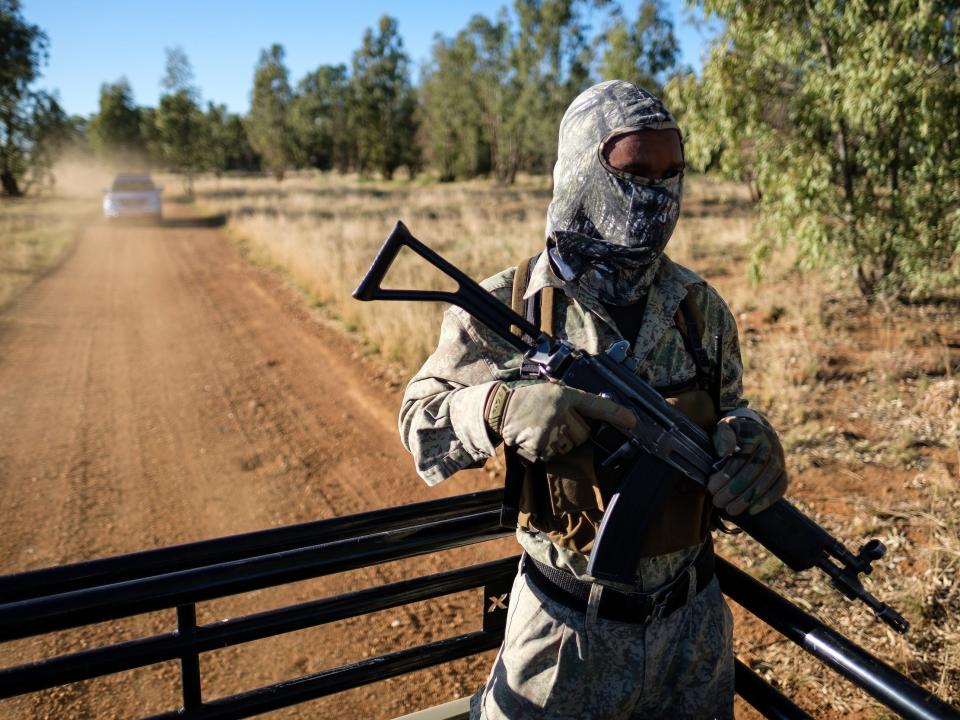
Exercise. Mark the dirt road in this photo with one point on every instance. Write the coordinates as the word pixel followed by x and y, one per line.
pixel 154 390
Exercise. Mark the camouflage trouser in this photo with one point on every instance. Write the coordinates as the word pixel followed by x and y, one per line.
pixel 556 664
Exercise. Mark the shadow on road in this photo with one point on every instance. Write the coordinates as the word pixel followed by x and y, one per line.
pixel 207 221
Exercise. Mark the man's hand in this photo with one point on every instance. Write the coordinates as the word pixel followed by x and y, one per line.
pixel 753 474
pixel 547 419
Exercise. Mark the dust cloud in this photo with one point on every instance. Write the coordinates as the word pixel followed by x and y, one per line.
pixel 78 175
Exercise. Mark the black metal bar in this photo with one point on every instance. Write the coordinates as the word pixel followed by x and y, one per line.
pixel 765 698
pixel 328 682
pixel 189 660
pixel 876 678
pixel 348 543
pixel 65 578
pixel 110 602
pixel 148 651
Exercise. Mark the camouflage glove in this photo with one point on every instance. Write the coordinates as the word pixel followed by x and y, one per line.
pixel 547 419
pixel 753 474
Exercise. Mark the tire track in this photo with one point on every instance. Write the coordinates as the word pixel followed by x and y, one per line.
pixel 194 397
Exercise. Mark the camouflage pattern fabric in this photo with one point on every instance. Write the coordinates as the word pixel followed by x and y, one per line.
pixel 607 229
pixel 614 274
pixel 557 663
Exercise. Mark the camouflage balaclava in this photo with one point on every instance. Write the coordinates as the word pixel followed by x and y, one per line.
pixel 606 229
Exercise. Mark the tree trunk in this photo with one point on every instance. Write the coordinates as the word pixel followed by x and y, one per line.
pixel 9 184
pixel 866 283
pixel 752 186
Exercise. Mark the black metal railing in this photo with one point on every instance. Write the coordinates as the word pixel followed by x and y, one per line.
pixel 134 566
pixel 179 577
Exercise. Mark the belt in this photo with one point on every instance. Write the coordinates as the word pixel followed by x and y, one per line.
pixel 562 587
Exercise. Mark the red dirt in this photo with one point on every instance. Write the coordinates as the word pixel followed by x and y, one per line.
pixel 154 390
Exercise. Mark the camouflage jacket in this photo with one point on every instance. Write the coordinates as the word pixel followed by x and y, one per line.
pixel 441 419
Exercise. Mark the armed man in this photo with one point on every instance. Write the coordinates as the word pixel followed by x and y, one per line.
pixel 575 648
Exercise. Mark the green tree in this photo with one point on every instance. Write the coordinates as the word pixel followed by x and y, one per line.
pixel 47 131
pixel 644 52
pixel 215 152
pixel 180 125
pixel 496 88
pixel 150 136
pixel 452 110
pixel 494 95
pixel 384 104
pixel 76 135
pixel 240 153
pixel 32 123
pixel 552 56
pixel 115 129
pixel 845 116
pixel 226 146
pixel 268 121
pixel 178 72
pixel 319 119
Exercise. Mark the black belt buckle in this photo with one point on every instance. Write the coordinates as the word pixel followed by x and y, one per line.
pixel 659 606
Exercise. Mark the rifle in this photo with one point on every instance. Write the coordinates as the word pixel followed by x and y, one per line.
pixel 663 439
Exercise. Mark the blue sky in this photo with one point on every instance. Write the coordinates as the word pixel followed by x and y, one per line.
pixel 95 42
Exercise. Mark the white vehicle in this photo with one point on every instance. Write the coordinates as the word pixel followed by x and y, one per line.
pixel 132 196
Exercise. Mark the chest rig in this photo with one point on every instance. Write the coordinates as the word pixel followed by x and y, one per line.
pixel 565 498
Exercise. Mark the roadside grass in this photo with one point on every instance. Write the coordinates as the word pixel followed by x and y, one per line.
pixel 867 398
pixel 34 234
pixel 324 231
pixel 36 230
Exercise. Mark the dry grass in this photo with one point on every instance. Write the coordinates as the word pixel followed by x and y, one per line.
pixel 34 233
pixel 36 230
pixel 867 398
pixel 324 231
